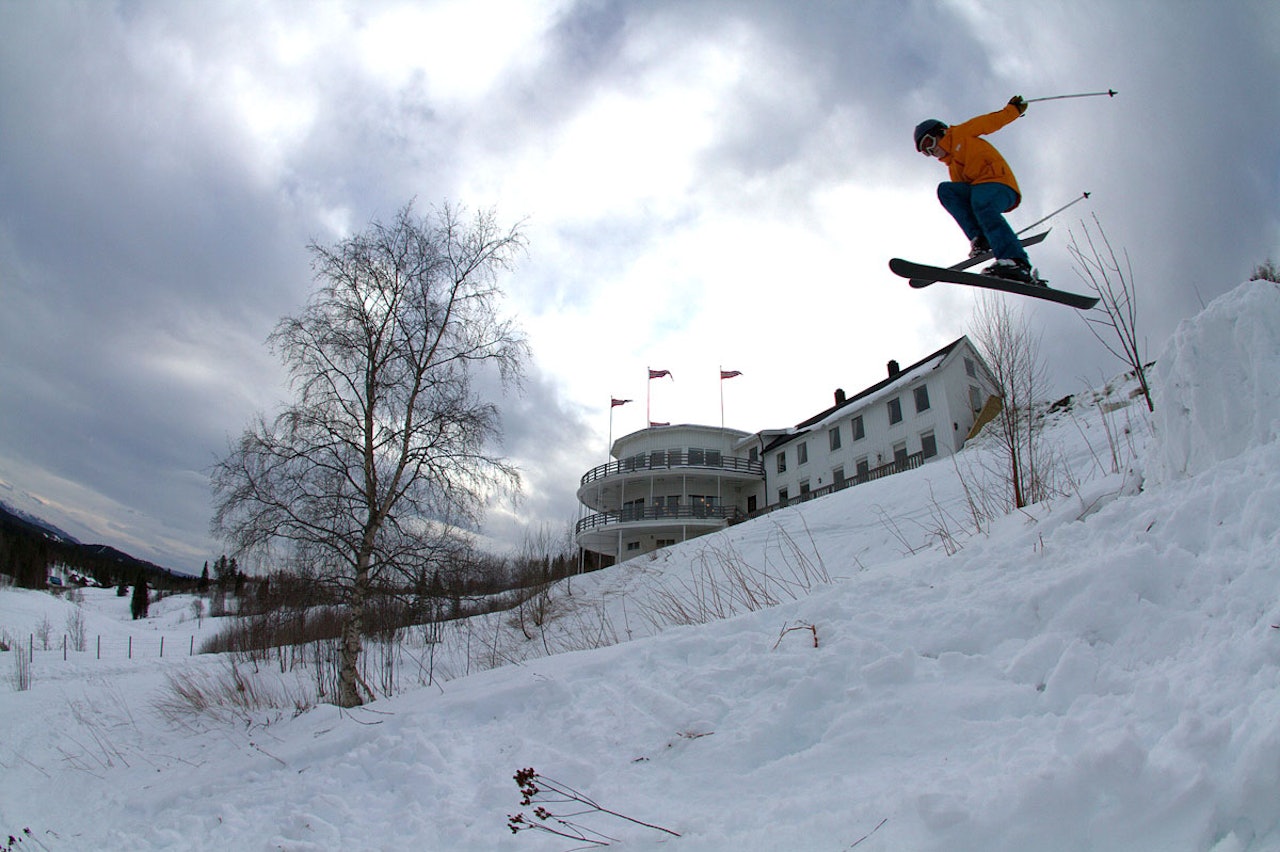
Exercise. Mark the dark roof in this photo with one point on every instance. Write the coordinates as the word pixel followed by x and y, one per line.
pixel 802 426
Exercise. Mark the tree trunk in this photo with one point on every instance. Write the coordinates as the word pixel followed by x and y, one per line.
pixel 352 628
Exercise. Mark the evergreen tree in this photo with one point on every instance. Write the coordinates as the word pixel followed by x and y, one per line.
pixel 204 578
pixel 141 600
pixel 222 572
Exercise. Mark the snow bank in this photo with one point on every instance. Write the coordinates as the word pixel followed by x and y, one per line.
pixel 1217 394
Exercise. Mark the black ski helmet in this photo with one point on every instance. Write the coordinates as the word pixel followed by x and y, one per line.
pixel 929 127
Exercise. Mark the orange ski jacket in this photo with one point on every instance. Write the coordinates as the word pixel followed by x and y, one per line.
pixel 971 159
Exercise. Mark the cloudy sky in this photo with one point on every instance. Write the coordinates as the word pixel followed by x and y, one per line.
pixel 704 184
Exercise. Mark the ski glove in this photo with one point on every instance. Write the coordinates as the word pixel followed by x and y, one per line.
pixel 1018 102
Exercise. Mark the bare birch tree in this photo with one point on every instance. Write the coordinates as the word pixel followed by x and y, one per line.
pixel 1012 353
pixel 388 442
pixel 1100 268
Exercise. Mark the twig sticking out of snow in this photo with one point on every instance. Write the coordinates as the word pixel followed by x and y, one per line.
pixel 560 824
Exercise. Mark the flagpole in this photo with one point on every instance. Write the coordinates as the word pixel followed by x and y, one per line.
pixel 722 397
pixel 720 475
pixel 648 398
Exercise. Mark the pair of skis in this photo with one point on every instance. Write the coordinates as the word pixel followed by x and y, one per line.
pixel 922 275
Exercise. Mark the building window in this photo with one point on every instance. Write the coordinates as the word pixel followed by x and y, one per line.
pixel 633 545
pixel 782 462
pixel 928 445
pixel 975 399
pixel 834 435
pixel 804 487
pixel 714 458
pixel 858 432
pixel 666 542
pixel 753 454
pixel 863 469
pixel 900 453
pixel 837 476
pixel 922 398
pixel 970 368
pixel 696 456
pixel 782 495
pixel 658 458
pixel 751 503
pixel 895 410
pixel 702 505
pixel 802 453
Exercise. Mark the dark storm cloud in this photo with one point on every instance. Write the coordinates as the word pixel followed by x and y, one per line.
pixel 163 167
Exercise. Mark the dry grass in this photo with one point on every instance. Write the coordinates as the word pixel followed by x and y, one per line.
pixel 723 583
pixel 233 694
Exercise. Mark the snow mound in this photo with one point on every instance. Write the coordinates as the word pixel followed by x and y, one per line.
pixel 1215 383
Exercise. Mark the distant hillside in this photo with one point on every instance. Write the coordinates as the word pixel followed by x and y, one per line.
pixel 30 546
pixel 38 523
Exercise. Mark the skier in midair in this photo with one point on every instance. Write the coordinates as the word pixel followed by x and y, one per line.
pixel 982 187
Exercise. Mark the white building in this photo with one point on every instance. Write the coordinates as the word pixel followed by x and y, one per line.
pixel 668 484
pixel 671 483
pixel 915 414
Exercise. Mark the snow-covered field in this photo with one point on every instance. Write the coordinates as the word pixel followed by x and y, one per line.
pixel 1101 671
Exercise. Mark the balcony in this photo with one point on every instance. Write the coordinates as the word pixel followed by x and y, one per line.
pixel 710 515
pixel 906 463
pixel 673 460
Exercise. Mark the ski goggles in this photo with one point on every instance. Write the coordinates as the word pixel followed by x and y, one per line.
pixel 928 145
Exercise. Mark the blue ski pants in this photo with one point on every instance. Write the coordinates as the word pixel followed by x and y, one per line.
pixel 979 210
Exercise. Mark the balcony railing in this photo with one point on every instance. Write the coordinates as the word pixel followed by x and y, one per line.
pixel 910 462
pixel 673 460
pixel 673 514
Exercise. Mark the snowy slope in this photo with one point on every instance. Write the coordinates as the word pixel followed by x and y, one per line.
pixel 1100 672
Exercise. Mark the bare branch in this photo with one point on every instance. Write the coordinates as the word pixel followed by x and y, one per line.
pixel 388 440
pixel 1113 283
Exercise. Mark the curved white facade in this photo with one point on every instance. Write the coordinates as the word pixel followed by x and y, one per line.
pixel 666 484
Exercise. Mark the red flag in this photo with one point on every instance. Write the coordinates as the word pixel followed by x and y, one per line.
pixel 729 374
pixel 652 424
pixel 616 402
pixel 657 374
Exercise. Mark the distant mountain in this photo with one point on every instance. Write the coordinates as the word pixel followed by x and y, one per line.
pixel 26 518
pixel 34 545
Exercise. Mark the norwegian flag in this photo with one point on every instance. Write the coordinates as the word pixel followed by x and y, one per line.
pixel 614 403
pixel 657 374
pixel 729 374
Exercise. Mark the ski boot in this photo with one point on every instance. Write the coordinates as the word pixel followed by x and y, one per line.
pixel 1015 270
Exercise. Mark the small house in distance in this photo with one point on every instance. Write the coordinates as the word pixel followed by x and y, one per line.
pixel 667 484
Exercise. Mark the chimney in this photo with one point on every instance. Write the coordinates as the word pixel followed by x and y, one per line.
pixel 839 396
pixel 894 369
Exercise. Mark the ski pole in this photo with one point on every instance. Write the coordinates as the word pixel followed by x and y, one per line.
pixel 1111 93
pixel 1082 197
